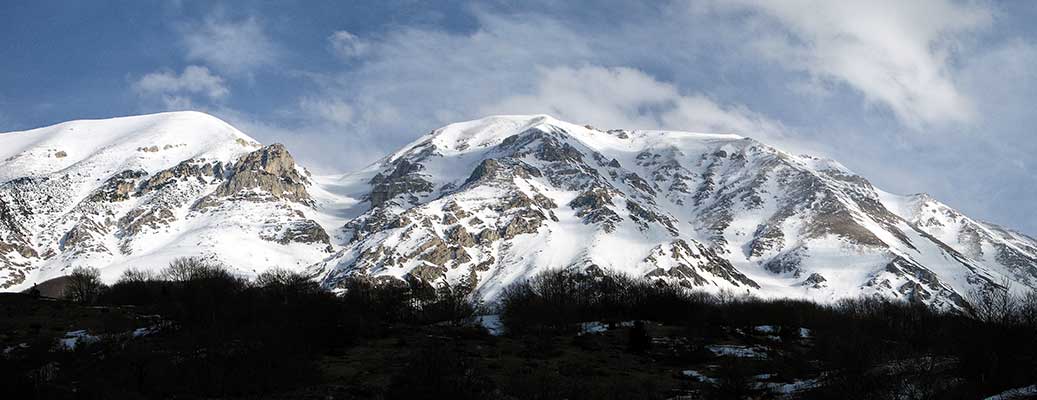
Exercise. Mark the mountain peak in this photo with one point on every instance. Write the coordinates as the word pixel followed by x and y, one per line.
pixel 474 135
pixel 482 203
pixel 149 142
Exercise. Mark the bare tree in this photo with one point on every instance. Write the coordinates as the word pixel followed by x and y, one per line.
pixel 136 276
pixel 1028 309
pixel 84 285
pixel 184 269
pixel 995 304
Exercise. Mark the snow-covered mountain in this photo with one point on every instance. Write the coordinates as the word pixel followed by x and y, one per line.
pixel 485 203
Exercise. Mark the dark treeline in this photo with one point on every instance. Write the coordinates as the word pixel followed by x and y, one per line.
pixel 225 336
pixel 992 346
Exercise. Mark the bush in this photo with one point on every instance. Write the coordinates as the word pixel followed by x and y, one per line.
pixel 134 287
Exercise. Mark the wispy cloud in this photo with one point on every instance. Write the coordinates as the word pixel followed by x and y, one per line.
pixel 857 80
pixel 629 98
pixel 177 91
pixel 413 79
pixel 346 45
pixel 897 53
pixel 333 111
pixel 232 46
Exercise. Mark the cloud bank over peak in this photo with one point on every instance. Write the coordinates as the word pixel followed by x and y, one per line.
pixel 931 95
pixel 620 97
pixel 897 53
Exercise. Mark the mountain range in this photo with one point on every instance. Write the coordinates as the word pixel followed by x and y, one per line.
pixel 484 203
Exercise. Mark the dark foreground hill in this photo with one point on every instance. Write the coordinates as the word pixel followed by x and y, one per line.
pixel 199 332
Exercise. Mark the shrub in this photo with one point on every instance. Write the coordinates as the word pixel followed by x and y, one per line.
pixel 133 287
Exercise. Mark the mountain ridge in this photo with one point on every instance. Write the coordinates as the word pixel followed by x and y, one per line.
pixel 480 204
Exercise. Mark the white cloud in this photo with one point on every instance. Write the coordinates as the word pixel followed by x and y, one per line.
pixel 194 79
pixel 897 53
pixel 628 98
pixel 177 91
pixel 412 80
pixel 346 45
pixel 333 111
pixel 231 46
pixel 724 66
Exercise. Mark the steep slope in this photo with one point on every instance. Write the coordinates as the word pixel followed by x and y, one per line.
pixel 482 204
pixel 486 202
pixel 139 191
pixel 1007 252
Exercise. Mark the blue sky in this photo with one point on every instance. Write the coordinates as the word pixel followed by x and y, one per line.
pixel 928 95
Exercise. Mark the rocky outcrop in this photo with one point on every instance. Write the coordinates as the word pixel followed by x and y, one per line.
pixel 644 218
pixel 15 247
pixel 264 174
pixel 594 207
pixel 119 187
pixel 500 170
pixel 690 266
pixel 138 219
pixel 906 279
pixel 460 236
pixel 815 281
pixel 404 179
pixel 787 262
pixel 199 170
pixel 84 237
pixel 487 236
pixel 305 231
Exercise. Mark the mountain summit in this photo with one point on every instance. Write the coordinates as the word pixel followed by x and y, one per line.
pixel 483 203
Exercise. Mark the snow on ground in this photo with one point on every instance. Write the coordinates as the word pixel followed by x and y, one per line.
pixel 96 147
pixel 698 376
pixel 724 350
pixel 73 339
pixel 85 153
pixel 791 387
pixel 9 349
pixel 1025 392
pixel 602 327
pixel 492 323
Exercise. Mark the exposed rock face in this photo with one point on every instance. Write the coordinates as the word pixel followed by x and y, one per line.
pixel 691 265
pixel 916 283
pixel 487 236
pixel 305 231
pixel 593 206
pixel 404 179
pixel 130 202
pixel 16 251
pixel 119 187
pixel 136 220
pixel 85 237
pixel 198 170
pixel 461 236
pixel 816 281
pixel 269 171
